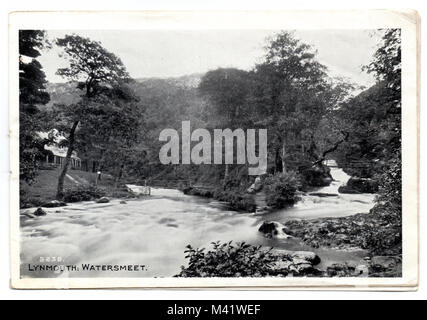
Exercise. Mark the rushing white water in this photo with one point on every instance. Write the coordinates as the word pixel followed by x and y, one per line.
pixel 340 205
pixel 155 231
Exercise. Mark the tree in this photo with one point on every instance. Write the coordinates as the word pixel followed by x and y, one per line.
pixel 32 93
pixel 373 120
pixel 386 65
pixel 94 68
pixel 229 91
pixel 290 94
pixel 113 129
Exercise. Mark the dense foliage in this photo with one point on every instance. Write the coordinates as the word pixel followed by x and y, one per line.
pixel 228 260
pixel 273 95
pixel 83 193
pixel 101 76
pixel 310 116
pixel 282 189
pixel 32 94
pixel 373 121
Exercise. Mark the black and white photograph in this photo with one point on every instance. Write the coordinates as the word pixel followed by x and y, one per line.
pixel 210 153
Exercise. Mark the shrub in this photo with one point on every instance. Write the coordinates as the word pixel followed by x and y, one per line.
pixel 83 193
pixel 121 192
pixel 198 192
pixel 227 260
pixel 29 202
pixel 281 189
pixel 236 200
pixel 387 237
pixel 390 189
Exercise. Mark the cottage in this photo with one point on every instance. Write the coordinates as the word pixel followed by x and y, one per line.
pixel 58 156
pixel 55 153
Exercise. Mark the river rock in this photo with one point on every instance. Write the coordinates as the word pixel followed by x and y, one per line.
pixel 348 190
pixel 27 214
pixel 341 270
pixel 385 261
pixel 361 270
pixel 273 229
pixel 281 267
pixel 123 202
pixel 305 269
pixel 305 256
pixel 323 194
pixel 103 200
pixel 295 268
pixel 256 186
pixel 385 266
pixel 346 233
pixel 309 256
pixel 341 238
pixel 54 204
pixel 295 263
pixel 39 212
pixel 359 185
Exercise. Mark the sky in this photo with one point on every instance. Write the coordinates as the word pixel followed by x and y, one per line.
pixel 172 53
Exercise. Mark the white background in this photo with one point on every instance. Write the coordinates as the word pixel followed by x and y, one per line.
pixel 27 5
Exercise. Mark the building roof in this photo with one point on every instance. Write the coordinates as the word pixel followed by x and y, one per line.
pixel 60 152
pixel 54 147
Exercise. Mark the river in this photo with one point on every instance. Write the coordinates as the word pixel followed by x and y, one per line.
pixel 155 231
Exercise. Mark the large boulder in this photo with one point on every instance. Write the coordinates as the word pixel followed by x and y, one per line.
pixel 362 270
pixel 359 185
pixel 299 256
pixel 297 263
pixel 296 268
pixel 346 189
pixel 385 261
pixel 307 256
pixel 323 194
pixel 53 204
pixel 103 200
pixel 256 186
pixel 281 267
pixel 385 266
pixel 342 270
pixel 39 212
pixel 316 176
pixel 273 229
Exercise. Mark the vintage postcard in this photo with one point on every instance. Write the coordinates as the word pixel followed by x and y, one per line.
pixel 271 150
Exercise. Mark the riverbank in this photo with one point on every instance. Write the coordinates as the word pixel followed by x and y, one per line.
pixel 238 201
pixel 87 232
pixel 79 186
pixel 325 223
pixel 373 232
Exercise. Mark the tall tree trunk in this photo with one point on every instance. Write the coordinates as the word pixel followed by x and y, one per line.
pixel 225 175
pixel 103 151
pixel 119 176
pixel 60 189
pixel 101 161
pixel 331 149
pixel 284 155
pixel 277 161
